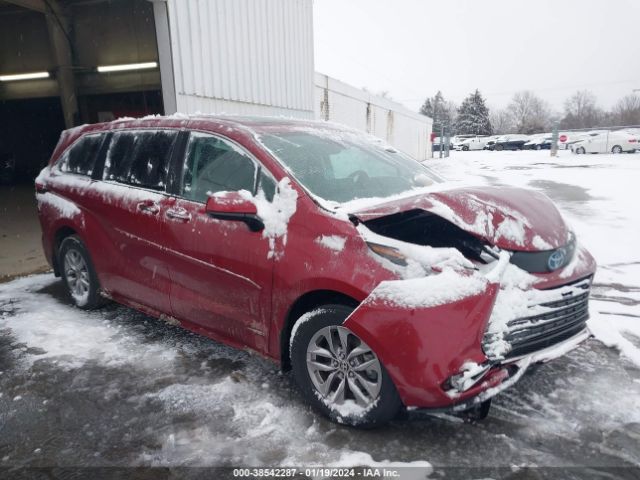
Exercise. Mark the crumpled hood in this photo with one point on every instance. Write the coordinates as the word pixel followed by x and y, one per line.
pixel 509 218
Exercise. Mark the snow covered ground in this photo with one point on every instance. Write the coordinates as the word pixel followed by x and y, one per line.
pixel 117 388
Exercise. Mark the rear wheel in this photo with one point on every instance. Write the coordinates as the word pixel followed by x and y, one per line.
pixel 78 274
pixel 338 373
pixel 616 149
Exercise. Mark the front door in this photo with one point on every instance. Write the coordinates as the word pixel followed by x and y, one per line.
pixel 221 271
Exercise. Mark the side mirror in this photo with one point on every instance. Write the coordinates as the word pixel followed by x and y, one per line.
pixel 234 206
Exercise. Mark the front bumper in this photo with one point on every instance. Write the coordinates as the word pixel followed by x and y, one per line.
pixel 503 375
pixel 423 348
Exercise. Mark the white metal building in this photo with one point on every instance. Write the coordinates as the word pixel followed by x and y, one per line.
pixel 406 130
pixel 256 57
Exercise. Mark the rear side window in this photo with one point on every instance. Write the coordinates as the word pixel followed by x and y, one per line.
pixel 116 163
pixel 215 165
pixel 150 163
pixel 140 158
pixel 81 157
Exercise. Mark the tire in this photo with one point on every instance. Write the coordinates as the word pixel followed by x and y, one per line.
pixel 580 150
pixel 465 148
pixel 538 147
pixel 78 274
pixel 616 149
pixel 499 148
pixel 374 406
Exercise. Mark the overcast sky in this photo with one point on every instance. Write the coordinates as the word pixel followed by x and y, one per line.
pixel 413 48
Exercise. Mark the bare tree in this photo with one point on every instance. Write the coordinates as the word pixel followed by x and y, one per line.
pixel 627 111
pixel 530 114
pixel 501 121
pixel 581 111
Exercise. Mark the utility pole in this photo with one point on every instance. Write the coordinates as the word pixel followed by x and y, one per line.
pixel 554 140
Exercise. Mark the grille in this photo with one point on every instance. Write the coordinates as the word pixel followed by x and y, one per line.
pixel 566 317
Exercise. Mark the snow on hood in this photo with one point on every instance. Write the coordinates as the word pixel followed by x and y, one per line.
pixel 510 218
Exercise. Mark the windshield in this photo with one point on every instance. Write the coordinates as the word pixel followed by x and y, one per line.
pixel 344 166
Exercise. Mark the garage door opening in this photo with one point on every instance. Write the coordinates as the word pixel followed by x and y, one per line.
pixel 65 45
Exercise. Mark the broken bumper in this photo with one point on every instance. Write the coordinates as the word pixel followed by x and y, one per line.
pixel 423 349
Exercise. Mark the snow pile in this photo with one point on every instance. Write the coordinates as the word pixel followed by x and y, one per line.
pixel 61 333
pixel 332 242
pixel 275 214
pixel 421 259
pixel 433 290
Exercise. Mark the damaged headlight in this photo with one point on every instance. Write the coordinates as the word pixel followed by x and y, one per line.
pixel 392 254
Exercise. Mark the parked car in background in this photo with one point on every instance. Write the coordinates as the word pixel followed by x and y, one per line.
pixel 575 137
pixel 539 142
pixel 490 141
pixel 438 144
pixel 472 143
pixel 609 142
pixel 457 140
pixel 510 142
pixel 377 284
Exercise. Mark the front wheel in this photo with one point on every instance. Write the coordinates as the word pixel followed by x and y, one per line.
pixel 78 274
pixel 616 149
pixel 499 148
pixel 338 373
pixel 580 150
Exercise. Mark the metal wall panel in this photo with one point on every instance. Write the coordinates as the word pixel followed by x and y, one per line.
pixel 245 56
pixel 406 130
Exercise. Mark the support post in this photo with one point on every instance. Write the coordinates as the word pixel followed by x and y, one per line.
pixel 58 28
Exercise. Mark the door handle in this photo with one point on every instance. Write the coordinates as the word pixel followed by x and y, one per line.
pixel 148 207
pixel 178 213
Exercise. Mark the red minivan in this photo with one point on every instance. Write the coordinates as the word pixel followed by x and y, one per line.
pixel 380 285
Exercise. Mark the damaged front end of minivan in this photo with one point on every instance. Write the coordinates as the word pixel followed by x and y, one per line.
pixel 475 302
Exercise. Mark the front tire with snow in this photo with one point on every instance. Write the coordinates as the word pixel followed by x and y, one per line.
pixel 338 373
pixel 78 274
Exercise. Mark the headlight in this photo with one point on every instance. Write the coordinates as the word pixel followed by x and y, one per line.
pixel 392 254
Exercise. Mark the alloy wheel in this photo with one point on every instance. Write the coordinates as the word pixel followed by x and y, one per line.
pixel 342 367
pixel 76 273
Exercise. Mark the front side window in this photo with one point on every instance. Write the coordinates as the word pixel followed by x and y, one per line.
pixel 81 157
pixel 215 165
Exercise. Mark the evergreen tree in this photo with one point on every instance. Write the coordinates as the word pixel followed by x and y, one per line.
pixel 473 116
pixel 441 111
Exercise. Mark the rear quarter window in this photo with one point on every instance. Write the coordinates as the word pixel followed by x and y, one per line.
pixel 81 157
